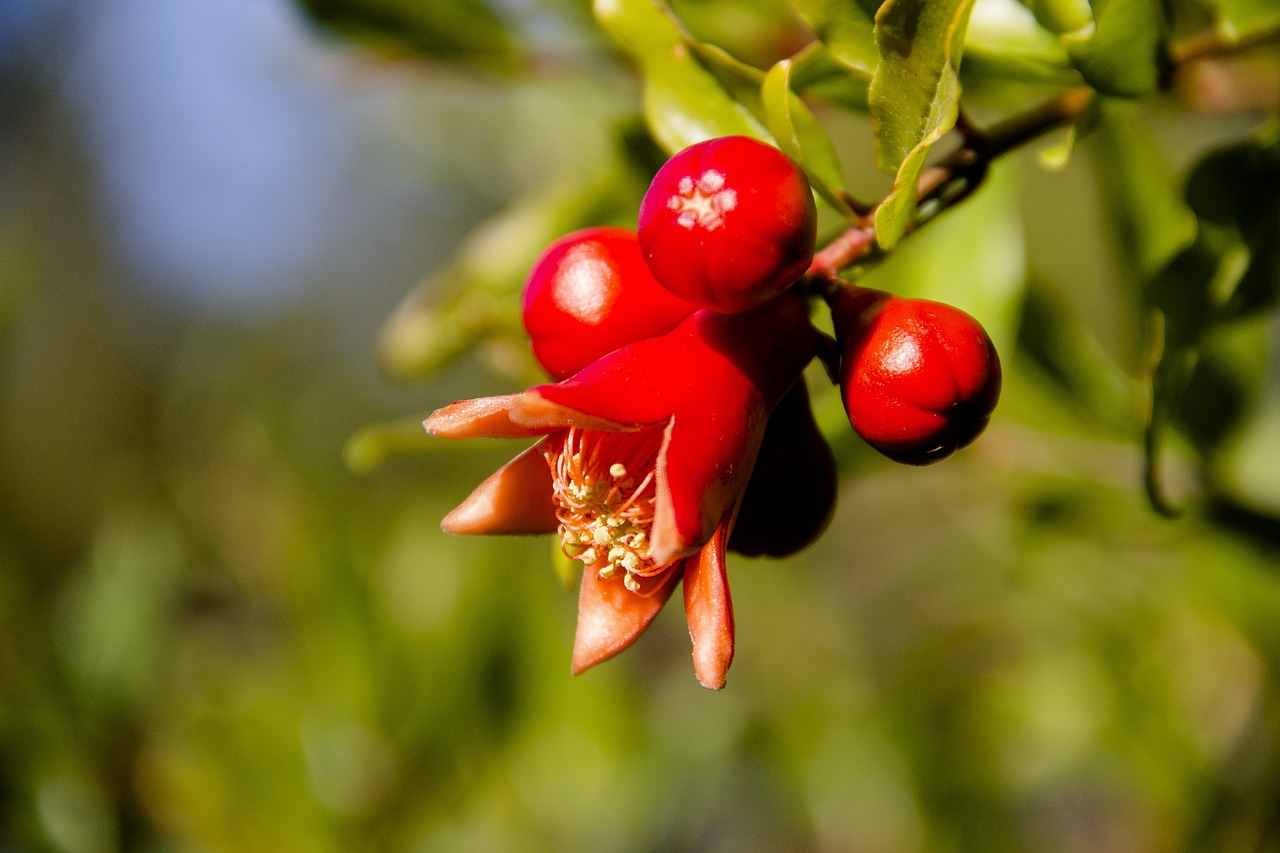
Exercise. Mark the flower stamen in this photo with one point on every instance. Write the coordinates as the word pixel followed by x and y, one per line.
pixel 605 515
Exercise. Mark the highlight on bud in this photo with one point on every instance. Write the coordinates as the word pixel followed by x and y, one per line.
pixel 589 293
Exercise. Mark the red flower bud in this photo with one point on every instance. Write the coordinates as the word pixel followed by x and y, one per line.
pixel 728 223
pixel 919 379
pixel 589 293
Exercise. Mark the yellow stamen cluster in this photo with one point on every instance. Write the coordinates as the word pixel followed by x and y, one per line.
pixel 605 512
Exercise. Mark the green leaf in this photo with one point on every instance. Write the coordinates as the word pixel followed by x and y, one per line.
pixel 457 30
pixel 1004 41
pixel 684 103
pixel 475 296
pixel 1121 53
pixel 972 258
pixel 801 137
pixel 1060 16
pixel 815 71
pixel 1229 272
pixel 1238 189
pixel 847 28
pixel 914 96
pixel 1148 220
pixel 1246 16
pixel 374 445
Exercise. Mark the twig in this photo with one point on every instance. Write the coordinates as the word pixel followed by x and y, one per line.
pixel 955 177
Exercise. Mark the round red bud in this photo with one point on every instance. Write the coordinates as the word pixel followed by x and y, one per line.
pixel 728 223
pixel 590 293
pixel 920 379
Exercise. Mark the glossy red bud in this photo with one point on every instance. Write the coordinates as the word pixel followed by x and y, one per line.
pixel 920 379
pixel 728 223
pixel 590 293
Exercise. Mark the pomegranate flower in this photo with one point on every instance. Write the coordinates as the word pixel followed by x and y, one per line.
pixel 643 459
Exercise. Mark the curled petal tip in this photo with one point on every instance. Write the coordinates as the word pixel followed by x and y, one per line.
pixel 484 417
pixel 533 411
pixel 610 617
pixel 709 610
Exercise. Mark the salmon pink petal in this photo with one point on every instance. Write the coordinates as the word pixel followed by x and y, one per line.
pixel 516 499
pixel 525 415
pixel 535 412
pixel 610 617
pixel 709 610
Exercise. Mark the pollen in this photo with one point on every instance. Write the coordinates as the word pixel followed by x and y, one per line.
pixel 605 512
pixel 703 202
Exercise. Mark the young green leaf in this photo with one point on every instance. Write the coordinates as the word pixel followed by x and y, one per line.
pixel 1121 52
pixel 847 28
pixel 914 97
pixel 683 102
pixel 801 137
pixel 816 71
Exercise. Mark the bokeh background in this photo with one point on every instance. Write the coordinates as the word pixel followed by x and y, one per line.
pixel 228 618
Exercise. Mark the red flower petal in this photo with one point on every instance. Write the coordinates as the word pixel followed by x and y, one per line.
pixel 714 379
pixel 611 617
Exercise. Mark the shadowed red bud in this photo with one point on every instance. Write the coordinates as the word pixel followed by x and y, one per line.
pixel 589 293
pixel 919 378
pixel 648 452
pixel 728 223
pixel 792 492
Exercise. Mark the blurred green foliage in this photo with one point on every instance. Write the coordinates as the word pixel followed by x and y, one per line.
pixel 214 636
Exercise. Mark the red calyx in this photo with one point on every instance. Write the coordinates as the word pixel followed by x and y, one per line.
pixel 589 293
pixel 920 379
pixel 728 224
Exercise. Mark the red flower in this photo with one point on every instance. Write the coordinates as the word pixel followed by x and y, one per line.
pixel 643 461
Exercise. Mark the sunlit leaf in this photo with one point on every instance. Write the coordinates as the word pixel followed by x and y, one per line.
pixel 1120 53
pixel 914 97
pixel 847 28
pixel 1005 41
pixel 1060 16
pixel 815 71
pixel 683 102
pixel 801 137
